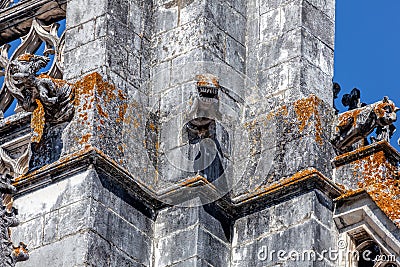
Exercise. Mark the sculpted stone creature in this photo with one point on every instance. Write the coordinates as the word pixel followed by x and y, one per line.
pixel 9 254
pixel 356 124
pixel 55 95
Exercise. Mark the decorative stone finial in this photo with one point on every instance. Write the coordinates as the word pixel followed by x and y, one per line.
pixel 352 100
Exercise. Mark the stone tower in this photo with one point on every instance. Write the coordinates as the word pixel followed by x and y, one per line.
pixel 189 133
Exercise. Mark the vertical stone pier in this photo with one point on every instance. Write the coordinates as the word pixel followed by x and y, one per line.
pixel 201 136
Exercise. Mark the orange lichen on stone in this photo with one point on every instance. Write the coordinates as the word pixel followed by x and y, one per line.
pixel 152 127
pixel 101 112
pixel 281 111
pixel 25 57
pixel 86 86
pixel 377 176
pixel 8 202
pixel 379 109
pixel 121 112
pixel 85 138
pixel 207 81
pixel 37 122
pixel 297 177
pixel 349 117
pixel 120 148
pixel 136 123
pixel 121 95
pixel 192 182
pixel 306 109
pixel 58 82
pixel 349 193
pixel 21 249
pixel 93 83
pixel 106 91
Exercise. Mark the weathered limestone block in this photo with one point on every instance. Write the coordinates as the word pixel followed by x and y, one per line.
pixel 373 168
pixel 294 42
pixel 200 37
pixel 286 227
pixel 284 142
pixel 189 235
pixel 113 39
pixel 84 212
pixel 100 118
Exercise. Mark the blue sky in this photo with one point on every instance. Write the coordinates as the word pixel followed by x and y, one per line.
pixel 367 52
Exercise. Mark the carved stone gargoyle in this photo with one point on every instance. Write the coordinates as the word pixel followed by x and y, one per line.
pixel 51 101
pixel 205 108
pixel 9 254
pixel 356 124
pixel 55 95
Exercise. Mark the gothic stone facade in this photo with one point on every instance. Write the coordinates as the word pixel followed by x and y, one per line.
pixel 189 133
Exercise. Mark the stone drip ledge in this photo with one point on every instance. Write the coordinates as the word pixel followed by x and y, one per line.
pixel 91 157
pixel 16 21
pixel 363 152
pixel 19 120
pixel 302 182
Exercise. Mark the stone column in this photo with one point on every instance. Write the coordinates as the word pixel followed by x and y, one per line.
pixel 290 48
pixel 190 236
pixel 108 37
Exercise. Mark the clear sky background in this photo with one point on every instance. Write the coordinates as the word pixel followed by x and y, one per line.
pixel 367 52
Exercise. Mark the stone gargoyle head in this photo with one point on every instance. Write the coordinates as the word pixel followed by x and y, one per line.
pixel 205 110
pixel 23 70
pixel 208 88
pixel 386 112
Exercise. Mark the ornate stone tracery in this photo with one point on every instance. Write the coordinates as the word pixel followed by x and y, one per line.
pixel 5 3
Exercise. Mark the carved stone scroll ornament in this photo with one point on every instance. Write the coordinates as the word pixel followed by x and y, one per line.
pixel 30 44
pixel 356 124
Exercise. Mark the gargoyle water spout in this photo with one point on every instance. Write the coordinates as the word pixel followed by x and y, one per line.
pixel 55 95
pixel 356 124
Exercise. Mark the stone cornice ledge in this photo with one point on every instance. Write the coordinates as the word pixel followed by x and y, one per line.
pixel 304 181
pixel 77 162
pixel 366 151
